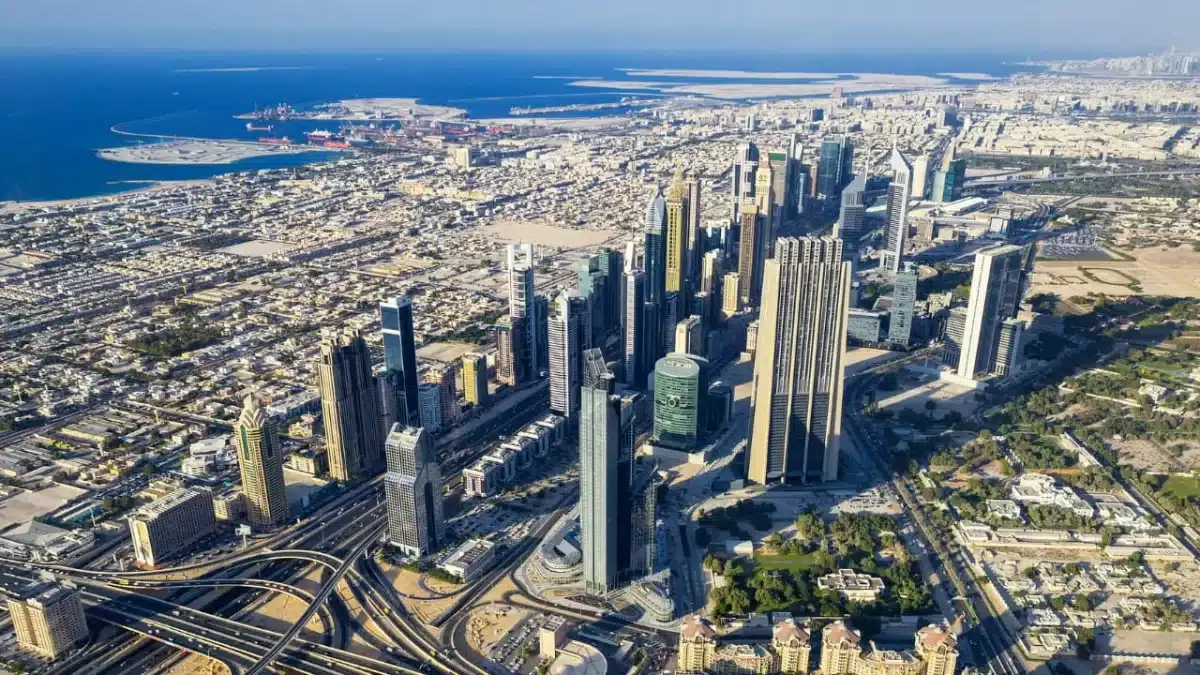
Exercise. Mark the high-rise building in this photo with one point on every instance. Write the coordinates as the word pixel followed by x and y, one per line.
pixel 1009 347
pixel 781 183
pixel 952 340
pixel 835 167
pixel 711 269
pixel 443 376
pixel 679 388
pixel 797 402
pixel 475 379
pixel 261 463
pixel 429 403
pixel 400 356
pixel 689 336
pixel 349 408
pixel 904 300
pixel 767 203
pixel 522 287
pixel 898 195
pixel 413 487
pixel 47 618
pixel 850 226
pixel 612 263
pixel 676 235
pixel 731 294
pixel 997 284
pixel 565 355
pixel 171 524
pixel 797 177
pixel 643 520
pixel 511 367
pixel 921 182
pixel 937 648
pixel 743 178
pixel 541 335
pixel 655 262
pixel 948 181
pixel 593 288
pixel 749 254
pixel 692 246
pixel 599 452
pixel 633 336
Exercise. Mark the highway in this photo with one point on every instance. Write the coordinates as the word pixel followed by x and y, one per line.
pixel 1000 654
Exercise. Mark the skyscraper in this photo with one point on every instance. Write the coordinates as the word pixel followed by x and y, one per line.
pixel 679 390
pixel 599 452
pixel 743 177
pixel 676 235
pixel 656 251
pixel 564 355
pixel 261 463
pixel 904 300
pixel 766 201
pixel 47 618
pixel 475 379
pixel 689 336
pixel 633 336
pixel 171 524
pixel 349 408
pixel 781 184
pixel 711 269
pixel 413 487
pixel 896 231
pixel 510 336
pixel 836 166
pixel 400 357
pixel 429 402
pixel 749 251
pixel 997 284
pixel 948 181
pixel 541 335
pixel 522 288
pixel 731 294
pixel 795 433
pixel 444 377
pixel 692 238
pixel 797 178
pixel 850 223
pixel 593 288
pixel 921 182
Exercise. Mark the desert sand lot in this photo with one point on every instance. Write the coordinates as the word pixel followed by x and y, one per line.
pixel 1161 271
pixel 541 234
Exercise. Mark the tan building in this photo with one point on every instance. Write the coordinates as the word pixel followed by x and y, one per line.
pixel 795 435
pixel 792 645
pixel 841 646
pixel 229 505
pixel 731 294
pixel 938 648
pixel 936 653
pixel 170 525
pixel 349 408
pixel 703 650
pixel 676 239
pixel 47 618
pixel 261 462
pixel 444 377
pixel 551 636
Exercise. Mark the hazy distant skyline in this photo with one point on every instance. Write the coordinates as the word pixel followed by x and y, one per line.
pixel 1109 27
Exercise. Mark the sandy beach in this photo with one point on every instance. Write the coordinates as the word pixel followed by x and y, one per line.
pixel 149 186
pixel 725 74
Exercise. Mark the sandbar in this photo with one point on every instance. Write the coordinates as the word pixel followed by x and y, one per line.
pixel 726 74
pixel 971 76
pixel 861 82
pixel 380 109
pixel 197 152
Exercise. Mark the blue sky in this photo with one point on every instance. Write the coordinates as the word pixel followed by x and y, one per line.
pixel 1035 26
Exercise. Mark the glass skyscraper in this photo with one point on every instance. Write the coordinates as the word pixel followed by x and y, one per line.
pixel 400 362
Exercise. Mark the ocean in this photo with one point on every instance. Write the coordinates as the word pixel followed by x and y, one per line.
pixel 56 109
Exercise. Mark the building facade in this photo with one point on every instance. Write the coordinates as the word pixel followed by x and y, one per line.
pixel 997 284
pixel 47 618
pixel 413 487
pixel 599 451
pixel 260 461
pixel 400 359
pixel 796 415
pixel 475 379
pixel 565 355
pixel 678 401
pixel 904 303
pixel 349 408
pixel 171 524
pixel 899 192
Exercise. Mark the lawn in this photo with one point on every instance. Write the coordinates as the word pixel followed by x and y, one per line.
pixel 1181 486
pixel 767 561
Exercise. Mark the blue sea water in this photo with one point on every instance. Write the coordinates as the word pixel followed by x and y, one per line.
pixel 56 109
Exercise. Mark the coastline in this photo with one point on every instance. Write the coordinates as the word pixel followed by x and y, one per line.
pixel 147 187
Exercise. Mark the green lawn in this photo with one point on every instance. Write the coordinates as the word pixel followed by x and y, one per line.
pixel 784 562
pixel 1181 486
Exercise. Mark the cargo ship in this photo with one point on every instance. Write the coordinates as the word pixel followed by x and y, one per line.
pixel 251 126
pixel 272 140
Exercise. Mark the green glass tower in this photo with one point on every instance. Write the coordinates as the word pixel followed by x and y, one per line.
pixel 679 387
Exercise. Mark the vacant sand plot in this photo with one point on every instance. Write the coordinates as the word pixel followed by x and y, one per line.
pixel 1173 272
pixel 541 234
pixel 489 625
pixel 198 664
pixel 1142 454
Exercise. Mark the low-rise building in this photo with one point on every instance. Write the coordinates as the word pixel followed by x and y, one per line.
pixel 470 560
pixel 169 525
pixel 854 586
